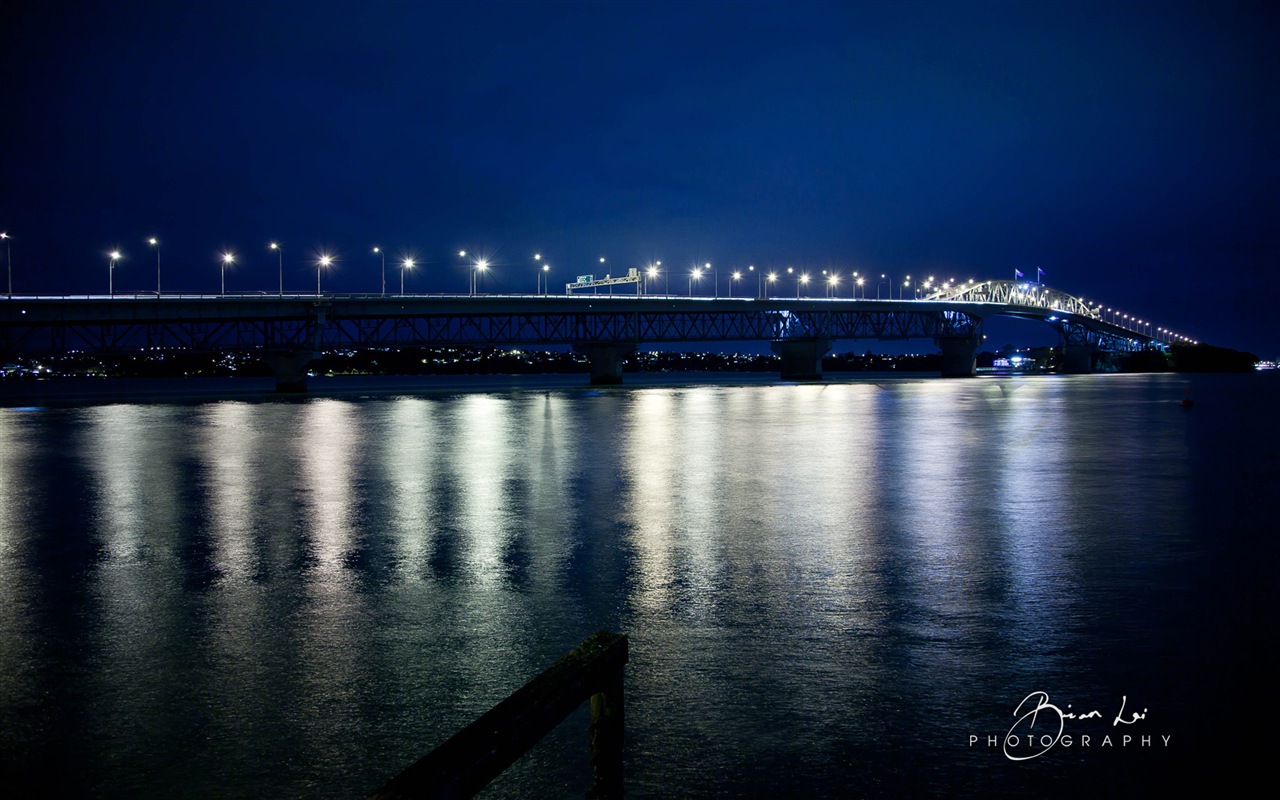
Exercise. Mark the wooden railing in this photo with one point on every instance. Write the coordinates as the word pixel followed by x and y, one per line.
pixel 478 753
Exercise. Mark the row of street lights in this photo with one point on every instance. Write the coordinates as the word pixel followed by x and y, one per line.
pixel 832 281
pixel 1143 326
pixel 227 259
pixel 542 275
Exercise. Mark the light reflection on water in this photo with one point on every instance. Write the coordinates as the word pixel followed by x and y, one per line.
pixel 827 587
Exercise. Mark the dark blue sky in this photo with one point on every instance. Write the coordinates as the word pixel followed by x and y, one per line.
pixel 1130 150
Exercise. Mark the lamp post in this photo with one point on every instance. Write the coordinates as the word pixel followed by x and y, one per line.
pixel 546 279
pixel 772 277
pixel 804 278
pixel 408 264
pixel 733 277
pixel 715 278
pixel 651 272
pixel 154 242
pixel 8 259
pixel 114 256
pixel 696 274
pixel 537 286
pixel 324 261
pixel 833 284
pixel 377 251
pixel 480 266
pixel 881 283
pixel 862 285
pixel 227 258
pixel 280 263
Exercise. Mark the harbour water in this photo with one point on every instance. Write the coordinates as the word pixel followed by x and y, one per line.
pixel 831 590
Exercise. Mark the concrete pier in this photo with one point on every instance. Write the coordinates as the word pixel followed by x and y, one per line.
pixel 959 356
pixel 1077 359
pixel 801 358
pixel 606 360
pixel 290 368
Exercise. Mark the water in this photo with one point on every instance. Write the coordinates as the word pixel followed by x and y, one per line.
pixel 829 589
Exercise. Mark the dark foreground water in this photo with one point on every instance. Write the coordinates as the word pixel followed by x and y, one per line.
pixel 831 590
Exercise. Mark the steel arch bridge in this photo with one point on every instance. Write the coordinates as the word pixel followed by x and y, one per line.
pixel 290 330
pixel 1078 322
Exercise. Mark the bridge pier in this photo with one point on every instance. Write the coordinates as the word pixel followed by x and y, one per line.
pixel 959 356
pixel 1077 359
pixel 606 360
pixel 801 358
pixel 290 368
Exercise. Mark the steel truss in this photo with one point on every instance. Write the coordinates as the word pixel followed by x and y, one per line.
pixel 328 327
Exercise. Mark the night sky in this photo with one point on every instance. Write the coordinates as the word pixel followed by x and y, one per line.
pixel 1130 150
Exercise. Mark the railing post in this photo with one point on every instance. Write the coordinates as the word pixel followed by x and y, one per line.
pixel 607 726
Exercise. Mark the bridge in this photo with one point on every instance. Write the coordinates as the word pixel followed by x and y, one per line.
pixel 290 331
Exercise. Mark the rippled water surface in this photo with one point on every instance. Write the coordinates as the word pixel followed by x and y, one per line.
pixel 829 589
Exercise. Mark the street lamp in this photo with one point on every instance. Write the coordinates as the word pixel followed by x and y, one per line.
pixel 377 251
pixel 115 256
pixel 695 275
pixel 8 259
pixel 323 262
pixel 804 278
pixel 772 277
pixel 715 278
pixel 154 242
pixel 537 276
pixel 227 258
pixel 408 264
pixel 650 273
pixel 861 285
pixel 546 278
pixel 280 260
pixel 480 266
pixel 734 277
